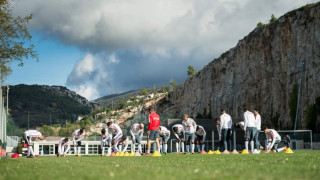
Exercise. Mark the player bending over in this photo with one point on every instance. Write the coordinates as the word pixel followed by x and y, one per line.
pixel 179 133
pixel 189 126
pixel 136 132
pixel 201 138
pixel 123 141
pixel 28 136
pixel 106 138
pixel 116 131
pixel 63 143
pixel 164 137
pixel 273 140
pixel 77 136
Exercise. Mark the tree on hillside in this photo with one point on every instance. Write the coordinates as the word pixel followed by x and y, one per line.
pixel 144 92
pixel 172 85
pixel 260 24
pixel 13 37
pixel 273 18
pixel 191 71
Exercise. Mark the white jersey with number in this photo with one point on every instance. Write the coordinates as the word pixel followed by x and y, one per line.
pixel 225 121
pixel 164 131
pixel 201 131
pixel 106 136
pixel 76 136
pixel 135 130
pixel 258 122
pixel 189 125
pixel 115 129
pixel 249 120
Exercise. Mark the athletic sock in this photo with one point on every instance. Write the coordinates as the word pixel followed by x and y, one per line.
pixel 75 149
pixel 251 145
pixel 160 149
pixel 202 147
pixel 246 143
pixel 31 151
pixel 198 147
pixel 187 148
pixel 280 149
pixel 28 151
pixel 103 150
pixel 192 148
pixel 165 148
pixel 177 147
pixel 148 151
pixel 182 147
pixel 133 147
pixel 120 147
pixel 109 150
pixel 79 150
pixel 139 148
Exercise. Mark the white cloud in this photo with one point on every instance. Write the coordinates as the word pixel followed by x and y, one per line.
pixel 87 91
pixel 127 39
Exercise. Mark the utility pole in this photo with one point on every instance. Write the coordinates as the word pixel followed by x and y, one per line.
pixel 50 120
pixel 8 99
pixel 74 118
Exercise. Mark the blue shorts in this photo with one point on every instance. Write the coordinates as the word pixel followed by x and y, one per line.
pixel 137 139
pixel 201 138
pixel 180 135
pixel 164 139
pixel 154 134
pixel 250 132
pixel 190 136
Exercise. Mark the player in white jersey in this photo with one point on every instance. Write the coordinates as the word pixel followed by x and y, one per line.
pixel 258 127
pixel 122 141
pixel 115 130
pixel 218 126
pixel 273 139
pixel 136 132
pixel 164 137
pixel 63 146
pixel 179 133
pixel 225 129
pixel 77 137
pixel 28 136
pixel 189 126
pixel 201 137
pixel 105 138
pixel 249 129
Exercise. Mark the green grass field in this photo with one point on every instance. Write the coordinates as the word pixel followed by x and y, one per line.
pixel 300 165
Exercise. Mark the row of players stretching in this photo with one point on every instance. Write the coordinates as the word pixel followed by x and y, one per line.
pixel 186 132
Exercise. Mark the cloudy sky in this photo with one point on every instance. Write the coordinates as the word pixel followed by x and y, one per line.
pixel 101 47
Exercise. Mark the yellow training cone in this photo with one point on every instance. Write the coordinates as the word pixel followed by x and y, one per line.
pixel 210 152
pixel 288 151
pixel 117 154
pixel 131 154
pixel 156 153
pixel 244 151
pixel 126 154
pixel 121 154
pixel 217 152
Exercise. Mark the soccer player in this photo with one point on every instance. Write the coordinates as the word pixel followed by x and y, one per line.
pixel 189 126
pixel 116 131
pixel 124 140
pixel 287 141
pixel 136 132
pixel 28 136
pixel 201 138
pixel 179 133
pixel 77 136
pixel 63 143
pixel 164 137
pixel 249 129
pixel 273 139
pixel 106 138
pixel 258 127
pixel 225 128
pixel 153 130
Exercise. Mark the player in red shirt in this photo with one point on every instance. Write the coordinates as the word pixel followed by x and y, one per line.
pixel 153 130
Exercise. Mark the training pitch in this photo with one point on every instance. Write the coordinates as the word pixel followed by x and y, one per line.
pixel 300 165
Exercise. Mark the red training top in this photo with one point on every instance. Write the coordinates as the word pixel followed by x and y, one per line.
pixel 154 121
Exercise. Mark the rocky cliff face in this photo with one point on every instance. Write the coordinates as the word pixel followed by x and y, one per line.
pixel 259 72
